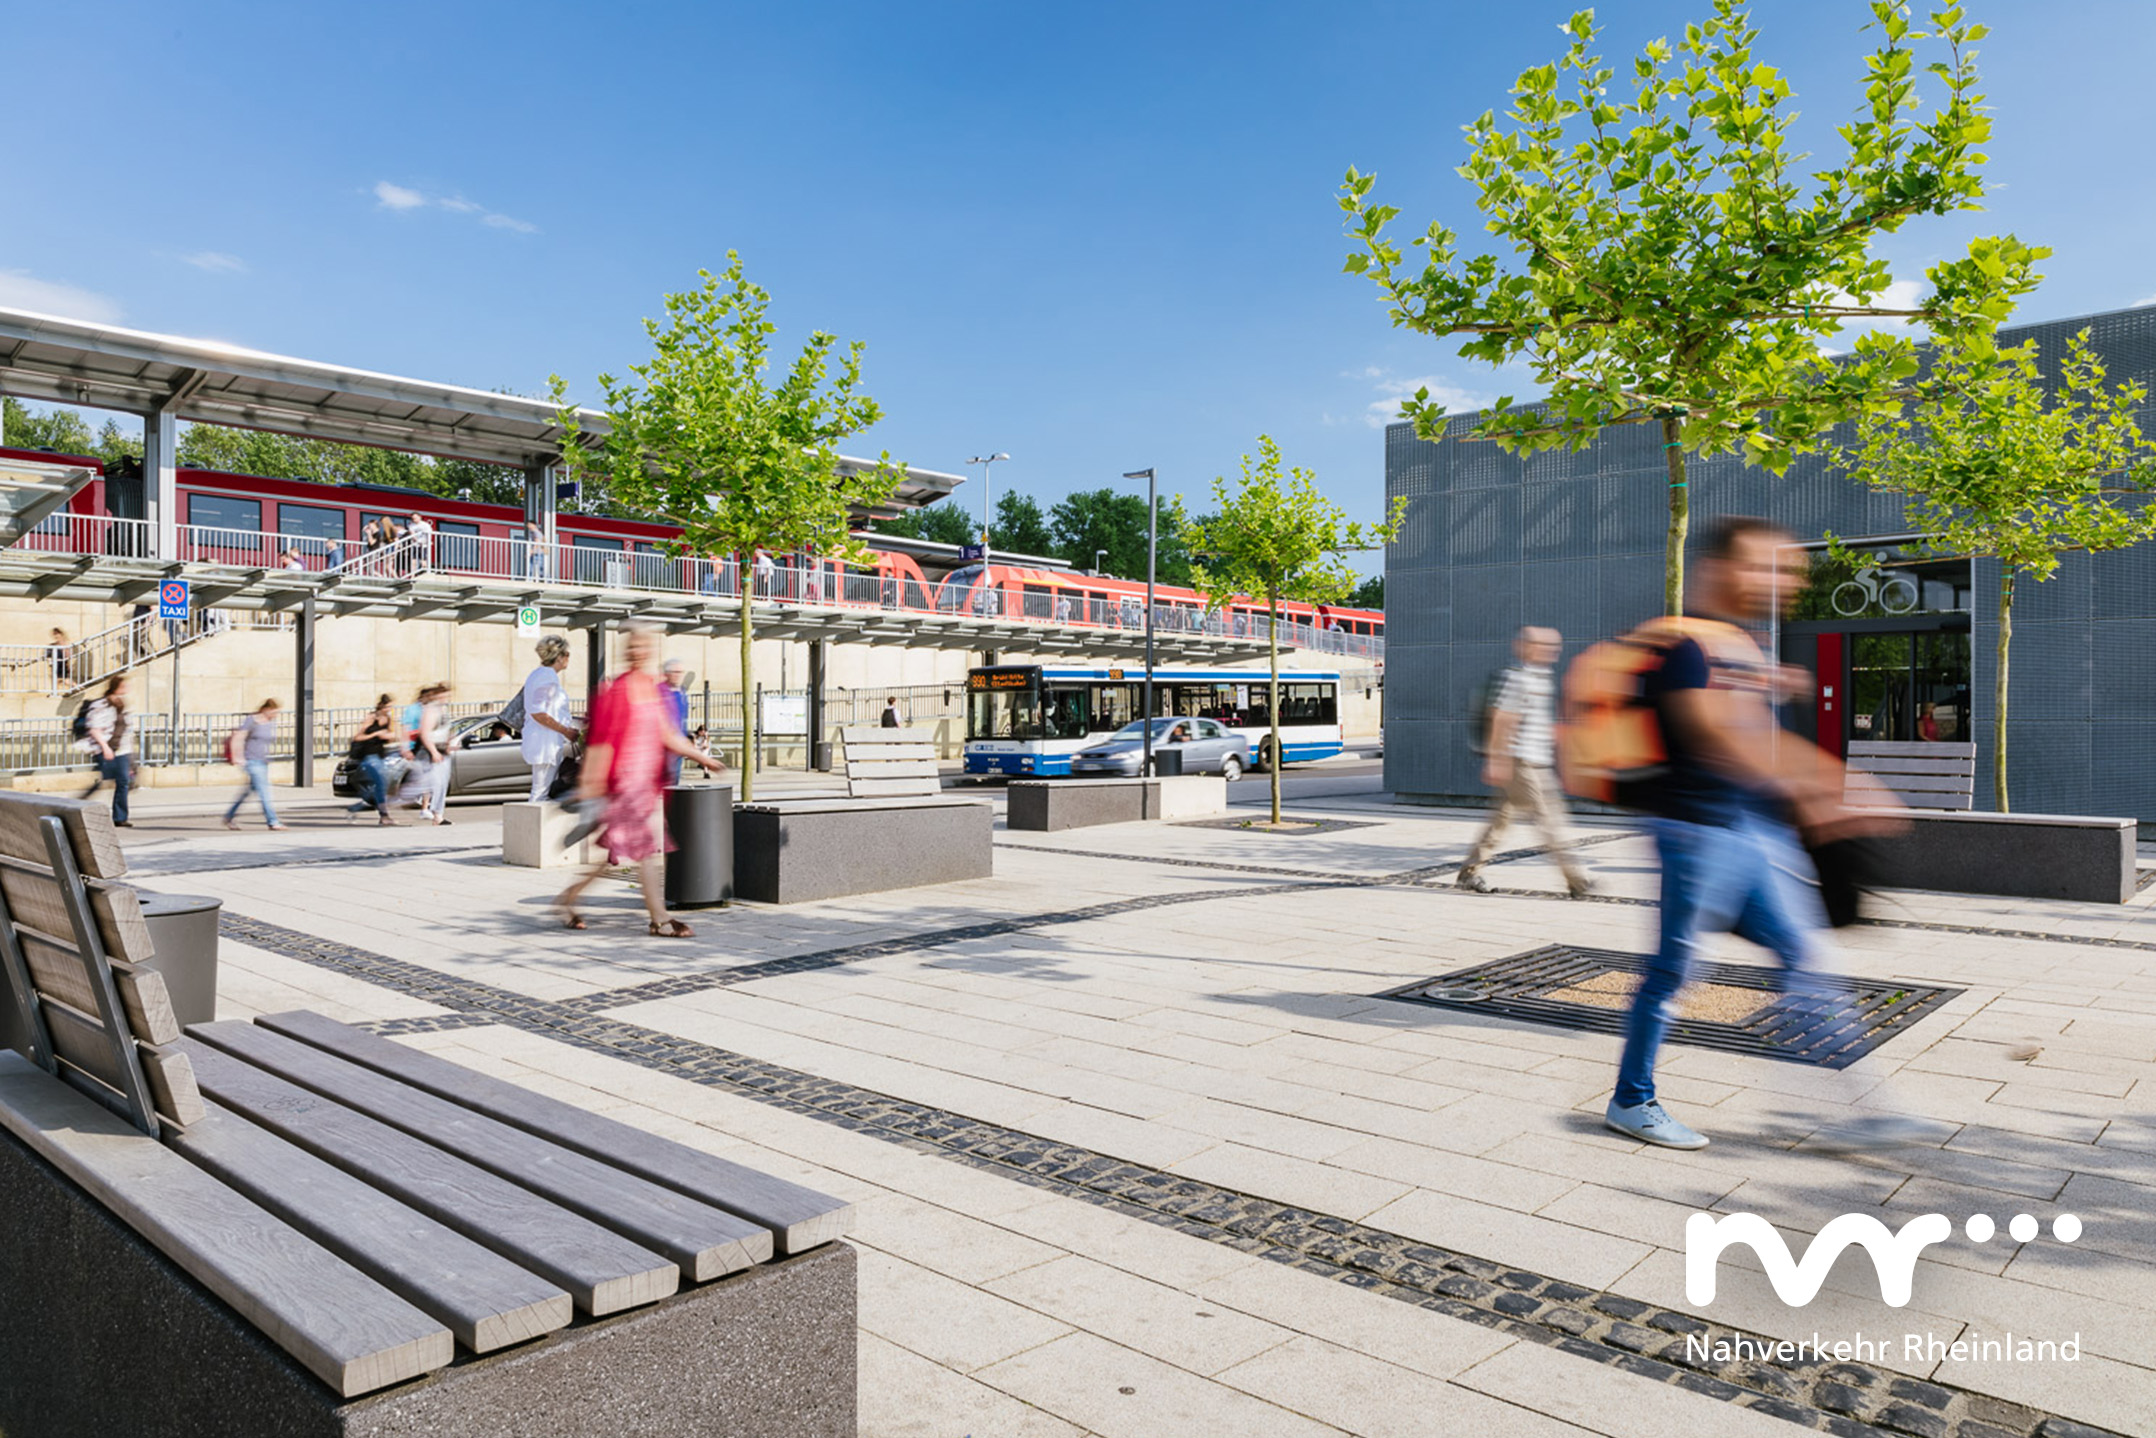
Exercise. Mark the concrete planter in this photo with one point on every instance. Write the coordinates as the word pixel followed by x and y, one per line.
pixel 795 851
pixel 2025 856
pixel 1049 805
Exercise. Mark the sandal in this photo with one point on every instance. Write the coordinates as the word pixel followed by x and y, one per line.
pixel 672 929
pixel 571 919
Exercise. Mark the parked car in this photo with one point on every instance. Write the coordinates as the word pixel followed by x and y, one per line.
pixel 1210 747
pixel 485 760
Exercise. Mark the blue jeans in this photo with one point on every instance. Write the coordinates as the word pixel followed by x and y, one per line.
pixel 373 785
pixel 258 783
pixel 1753 880
pixel 117 771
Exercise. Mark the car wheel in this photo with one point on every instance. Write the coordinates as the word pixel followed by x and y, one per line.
pixel 1231 768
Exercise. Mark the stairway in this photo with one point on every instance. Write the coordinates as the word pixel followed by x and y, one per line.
pixel 130 643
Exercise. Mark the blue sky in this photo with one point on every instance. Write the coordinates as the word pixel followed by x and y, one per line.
pixel 1095 237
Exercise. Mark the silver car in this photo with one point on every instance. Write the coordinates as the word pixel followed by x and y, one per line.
pixel 484 759
pixel 1207 746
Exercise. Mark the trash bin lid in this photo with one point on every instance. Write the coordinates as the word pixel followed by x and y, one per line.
pixel 160 905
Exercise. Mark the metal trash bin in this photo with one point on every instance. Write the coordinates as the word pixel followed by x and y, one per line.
pixel 1167 763
pixel 700 866
pixel 183 933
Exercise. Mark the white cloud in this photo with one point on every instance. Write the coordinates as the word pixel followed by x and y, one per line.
pixel 216 262
pixel 1456 398
pixel 2145 300
pixel 1898 295
pixel 397 197
pixel 21 290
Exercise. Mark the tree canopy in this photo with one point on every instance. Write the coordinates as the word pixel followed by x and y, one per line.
pixel 1681 263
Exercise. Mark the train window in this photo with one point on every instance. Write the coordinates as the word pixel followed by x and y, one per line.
pixel 224 511
pixel 598 560
pixel 310 520
pixel 456 546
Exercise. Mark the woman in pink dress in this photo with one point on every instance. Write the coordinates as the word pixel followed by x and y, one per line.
pixel 631 732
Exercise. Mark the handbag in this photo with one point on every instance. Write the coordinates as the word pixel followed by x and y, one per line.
pixel 565 778
pixel 1847 868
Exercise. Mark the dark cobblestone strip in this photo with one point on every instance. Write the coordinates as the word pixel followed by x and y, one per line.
pixel 1851 1400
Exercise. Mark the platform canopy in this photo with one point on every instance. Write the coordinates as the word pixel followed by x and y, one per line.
pixel 29 491
pixel 47 358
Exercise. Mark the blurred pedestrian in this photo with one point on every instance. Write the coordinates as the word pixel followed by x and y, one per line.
pixel 370 759
pixel 677 704
pixel 57 658
pixel 421 534
pixel 426 782
pixel 1520 759
pixel 534 565
pixel 890 714
pixel 249 747
pixel 548 726
pixel 109 739
pixel 631 733
pixel 1729 804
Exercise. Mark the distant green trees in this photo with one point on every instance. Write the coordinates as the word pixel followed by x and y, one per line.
pixel 1075 529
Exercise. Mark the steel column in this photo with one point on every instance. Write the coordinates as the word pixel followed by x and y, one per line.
pixel 161 481
pixel 302 698
pixel 819 749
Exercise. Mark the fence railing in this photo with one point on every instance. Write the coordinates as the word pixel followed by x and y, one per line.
pixel 791 579
pixel 69 666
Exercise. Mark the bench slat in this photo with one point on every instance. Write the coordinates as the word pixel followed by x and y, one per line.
pixel 892 788
pixel 96 844
pixel 1927 783
pixel 1893 764
pixel 877 753
pixel 36 900
pixel 57 970
pixel 487 1301
pixel 872 734
pixel 881 768
pixel 1935 801
pixel 82 1041
pixel 602 1271
pixel 800 1217
pixel 339 1324
pixel 1911 747
pixel 707 1242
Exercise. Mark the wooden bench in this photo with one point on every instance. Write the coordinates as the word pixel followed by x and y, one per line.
pixel 1921 776
pixel 889 763
pixel 297 1227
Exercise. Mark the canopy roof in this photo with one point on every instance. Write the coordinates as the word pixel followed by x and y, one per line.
pixel 44 357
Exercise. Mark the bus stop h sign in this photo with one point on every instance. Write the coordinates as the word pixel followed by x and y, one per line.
pixel 172 599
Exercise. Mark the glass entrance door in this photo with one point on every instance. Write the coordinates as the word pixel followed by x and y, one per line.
pixel 1909 687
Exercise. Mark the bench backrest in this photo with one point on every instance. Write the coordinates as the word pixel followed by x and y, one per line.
pixel 1920 775
pixel 73 945
pixel 889 763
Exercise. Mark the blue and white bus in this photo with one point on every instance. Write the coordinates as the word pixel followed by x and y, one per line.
pixel 1029 719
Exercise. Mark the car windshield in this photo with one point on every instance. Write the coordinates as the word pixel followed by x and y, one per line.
pixel 1134 731
pixel 471 726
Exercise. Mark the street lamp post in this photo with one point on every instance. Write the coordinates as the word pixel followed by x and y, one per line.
pixel 985 461
pixel 1152 548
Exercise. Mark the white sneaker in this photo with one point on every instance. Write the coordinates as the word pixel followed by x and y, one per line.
pixel 1650 1123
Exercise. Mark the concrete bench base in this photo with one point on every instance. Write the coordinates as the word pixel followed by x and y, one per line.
pixel 2024 856
pixel 532 837
pixel 101 1335
pixel 796 851
pixel 1047 805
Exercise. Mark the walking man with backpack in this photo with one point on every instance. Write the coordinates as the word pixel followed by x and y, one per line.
pixel 1728 802
pixel 1520 757
pixel 104 730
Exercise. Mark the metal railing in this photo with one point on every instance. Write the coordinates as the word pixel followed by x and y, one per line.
pixel 793 579
pixel 75 665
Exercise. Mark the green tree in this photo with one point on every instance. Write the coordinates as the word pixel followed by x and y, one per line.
pixel 1370 594
pixel 57 428
pixel 1682 262
pixel 250 451
pixel 1995 466
pixel 1090 520
pixel 1277 538
pixel 1020 527
pixel 703 436
pixel 945 523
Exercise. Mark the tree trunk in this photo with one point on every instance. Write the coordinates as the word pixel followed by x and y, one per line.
pixel 748 693
pixel 1680 516
pixel 1272 704
pixel 1998 698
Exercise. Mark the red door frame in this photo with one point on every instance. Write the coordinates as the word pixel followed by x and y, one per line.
pixel 1832 693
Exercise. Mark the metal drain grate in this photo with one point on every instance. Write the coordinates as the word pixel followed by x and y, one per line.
pixel 1831 1034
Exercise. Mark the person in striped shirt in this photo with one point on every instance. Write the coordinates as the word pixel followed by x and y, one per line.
pixel 1521 762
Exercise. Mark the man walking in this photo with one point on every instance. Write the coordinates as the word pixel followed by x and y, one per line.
pixel 677 710
pixel 890 714
pixel 1727 801
pixel 547 730
pixel 1521 758
pixel 109 738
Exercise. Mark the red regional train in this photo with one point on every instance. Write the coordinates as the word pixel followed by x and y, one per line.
pixel 269 522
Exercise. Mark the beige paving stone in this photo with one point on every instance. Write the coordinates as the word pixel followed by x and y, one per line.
pixel 1261 1128
pixel 1381 1400
pixel 1362 1322
pixel 903 1395
pixel 1631 1168
pixel 1135 1245
pixel 1394 1092
pixel 1503 1184
pixel 1609 1400
pixel 957 1325
pixel 1190 1332
pixel 2093 1390
pixel 1577 1255
pixel 967 1249
pixel 1119 1135
pixel 1082 1379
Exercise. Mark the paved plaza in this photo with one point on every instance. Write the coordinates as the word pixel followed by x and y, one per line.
pixel 1139 1152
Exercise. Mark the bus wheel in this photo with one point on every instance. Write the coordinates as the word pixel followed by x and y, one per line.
pixel 1231 768
pixel 1264 762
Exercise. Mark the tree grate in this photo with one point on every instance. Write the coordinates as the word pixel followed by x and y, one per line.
pixel 1829 1030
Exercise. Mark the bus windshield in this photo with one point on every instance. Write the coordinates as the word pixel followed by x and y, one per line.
pixel 1024 714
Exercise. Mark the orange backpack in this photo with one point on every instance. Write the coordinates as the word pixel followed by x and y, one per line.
pixel 1609 741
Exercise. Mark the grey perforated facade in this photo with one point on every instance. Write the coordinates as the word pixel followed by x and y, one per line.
pixel 1492 542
